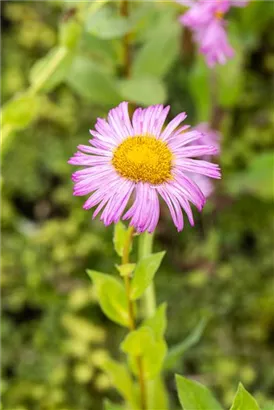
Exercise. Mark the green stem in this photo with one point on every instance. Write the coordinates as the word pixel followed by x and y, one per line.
pixel 46 74
pixel 124 11
pixel 149 299
pixel 125 261
pixel 132 324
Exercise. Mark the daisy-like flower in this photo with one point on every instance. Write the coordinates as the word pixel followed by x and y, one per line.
pixel 141 158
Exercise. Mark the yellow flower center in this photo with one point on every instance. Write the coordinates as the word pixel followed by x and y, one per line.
pixel 219 15
pixel 143 159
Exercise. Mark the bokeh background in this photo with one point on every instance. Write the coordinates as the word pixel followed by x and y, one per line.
pixel 217 277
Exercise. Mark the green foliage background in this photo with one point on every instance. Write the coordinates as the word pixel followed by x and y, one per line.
pixel 54 334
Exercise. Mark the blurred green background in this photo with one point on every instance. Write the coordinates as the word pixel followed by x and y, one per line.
pixel 54 335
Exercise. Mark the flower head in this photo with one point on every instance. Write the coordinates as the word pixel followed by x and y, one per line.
pixel 139 157
pixel 205 18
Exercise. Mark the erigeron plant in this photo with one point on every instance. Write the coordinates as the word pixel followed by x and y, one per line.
pixel 129 164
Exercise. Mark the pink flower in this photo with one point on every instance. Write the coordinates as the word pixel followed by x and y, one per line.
pixel 209 136
pixel 213 43
pixel 205 18
pixel 204 183
pixel 202 13
pixel 138 157
pixel 201 10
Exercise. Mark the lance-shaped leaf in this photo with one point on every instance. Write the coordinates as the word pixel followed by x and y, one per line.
pixel 157 394
pixel 159 52
pixel 178 350
pixel 158 322
pixel 112 297
pixel 119 238
pixel 120 378
pixel 20 111
pixel 195 396
pixel 142 343
pixel 51 70
pixel 144 273
pixel 243 400
pixel 69 33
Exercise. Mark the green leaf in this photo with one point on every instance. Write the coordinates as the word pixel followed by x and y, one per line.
pixel 158 322
pixel 142 343
pixel 92 83
pixel 157 394
pixel 20 111
pixel 229 78
pixel 143 90
pixel 195 396
pixel 69 33
pixel 159 52
pixel 137 340
pixel 51 70
pixel 243 400
pixel 176 352
pixel 120 378
pixel 250 24
pixel 108 405
pixel 256 180
pixel 112 297
pixel 127 269
pixel 144 273
pixel 269 405
pixel 106 25
pixel 199 88
pixel 119 238
pixel 102 51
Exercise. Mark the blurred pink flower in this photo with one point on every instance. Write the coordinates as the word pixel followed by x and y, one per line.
pixel 209 137
pixel 213 43
pixel 205 18
pixel 202 13
pixel 139 156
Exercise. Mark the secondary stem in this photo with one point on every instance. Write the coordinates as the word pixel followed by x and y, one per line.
pixel 124 11
pixel 39 82
pixel 217 112
pixel 125 260
pixel 149 299
pixel 132 326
